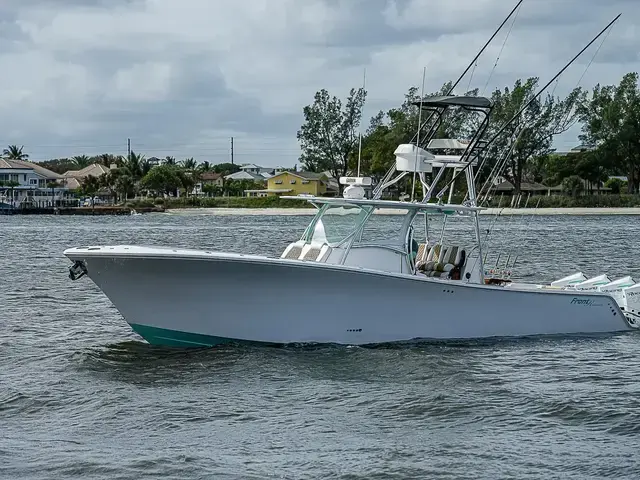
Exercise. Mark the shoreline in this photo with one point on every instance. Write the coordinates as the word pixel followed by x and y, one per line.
pixel 490 211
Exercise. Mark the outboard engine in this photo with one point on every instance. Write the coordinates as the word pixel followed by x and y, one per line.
pixel 631 307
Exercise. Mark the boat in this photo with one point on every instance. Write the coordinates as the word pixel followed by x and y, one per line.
pixel 345 282
pixel 359 277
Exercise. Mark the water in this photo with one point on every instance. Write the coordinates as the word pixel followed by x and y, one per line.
pixel 82 397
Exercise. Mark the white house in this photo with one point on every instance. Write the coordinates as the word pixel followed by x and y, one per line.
pixel 257 169
pixel 27 183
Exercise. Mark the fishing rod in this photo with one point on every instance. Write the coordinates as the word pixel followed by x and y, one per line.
pixel 450 91
pixel 499 165
pixel 517 115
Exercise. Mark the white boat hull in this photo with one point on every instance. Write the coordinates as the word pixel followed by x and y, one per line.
pixel 195 298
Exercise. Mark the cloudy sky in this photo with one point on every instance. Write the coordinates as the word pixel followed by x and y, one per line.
pixel 180 77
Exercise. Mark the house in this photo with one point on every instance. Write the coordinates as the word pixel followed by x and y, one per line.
pixel 212 178
pixel 293 183
pixel 257 169
pixel 208 178
pixel 74 178
pixel 25 183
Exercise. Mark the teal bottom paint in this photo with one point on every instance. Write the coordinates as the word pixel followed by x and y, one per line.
pixel 175 338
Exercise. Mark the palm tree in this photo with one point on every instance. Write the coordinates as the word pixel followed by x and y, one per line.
pixel 205 166
pixel 189 164
pixel 12 152
pixel 168 160
pixel 133 165
pixel 125 184
pixel 109 181
pixel 90 186
pixel 81 161
pixel 145 166
pixel 107 159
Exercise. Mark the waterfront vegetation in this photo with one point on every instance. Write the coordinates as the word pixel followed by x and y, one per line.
pixel 329 139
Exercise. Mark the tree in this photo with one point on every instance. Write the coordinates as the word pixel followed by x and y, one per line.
pixel 573 185
pixel 532 132
pixel 205 166
pixel 189 164
pixel 162 179
pixel 616 185
pixel 226 168
pixel 212 190
pixel 611 124
pixel 329 134
pixel 399 125
pixel 125 185
pixel 90 186
pixel 81 161
pixel 134 166
pixel 13 152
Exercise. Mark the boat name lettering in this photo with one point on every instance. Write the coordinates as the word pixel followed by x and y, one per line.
pixel 581 301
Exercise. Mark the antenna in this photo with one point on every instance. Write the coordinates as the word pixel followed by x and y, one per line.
pixel 364 82
pixel 415 166
pixel 517 114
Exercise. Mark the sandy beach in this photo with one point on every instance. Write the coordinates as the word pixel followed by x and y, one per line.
pixel 490 211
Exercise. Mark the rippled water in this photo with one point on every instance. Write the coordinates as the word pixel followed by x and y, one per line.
pixel 82 397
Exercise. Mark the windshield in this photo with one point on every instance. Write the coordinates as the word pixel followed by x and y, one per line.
pixel 385 227
pixel 336 223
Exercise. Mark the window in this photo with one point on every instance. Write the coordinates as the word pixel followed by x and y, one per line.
pixel 292 181
pixel 304 182
pixel 33 181
pixel 278 182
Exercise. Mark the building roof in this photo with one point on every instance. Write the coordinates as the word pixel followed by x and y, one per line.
pixel 305 175
pixel 244 175
pixel 210 176
pixel 72 183
pixel 40 170
pixel 95 169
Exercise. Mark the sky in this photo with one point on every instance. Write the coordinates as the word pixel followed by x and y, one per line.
pixel 181 78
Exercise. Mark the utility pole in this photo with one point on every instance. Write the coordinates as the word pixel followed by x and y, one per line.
pixel 128 149
pixel 231 150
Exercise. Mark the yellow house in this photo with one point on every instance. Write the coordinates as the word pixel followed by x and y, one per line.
pixel 293 183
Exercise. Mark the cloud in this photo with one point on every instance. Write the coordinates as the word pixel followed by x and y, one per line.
pixel 181 78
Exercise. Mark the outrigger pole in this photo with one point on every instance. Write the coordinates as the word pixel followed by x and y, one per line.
pixel 469 66
pixel 517 115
